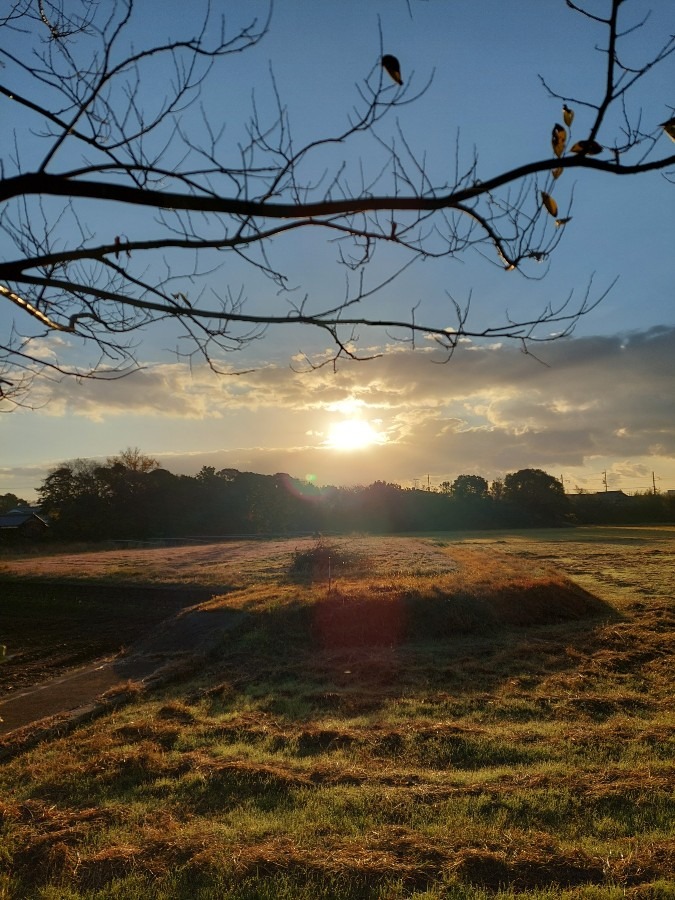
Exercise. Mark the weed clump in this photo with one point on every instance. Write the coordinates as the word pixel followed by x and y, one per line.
pixel 324 561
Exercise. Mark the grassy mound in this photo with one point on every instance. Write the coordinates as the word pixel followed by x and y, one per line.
pixel 346 604
pixel 388 615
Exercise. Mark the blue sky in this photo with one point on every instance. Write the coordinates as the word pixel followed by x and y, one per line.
pixel 598 402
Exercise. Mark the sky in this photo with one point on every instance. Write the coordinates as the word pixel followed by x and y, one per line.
pixel 596 408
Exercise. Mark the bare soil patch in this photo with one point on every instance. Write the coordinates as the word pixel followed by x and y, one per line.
pixel 168 651
pixel 52 628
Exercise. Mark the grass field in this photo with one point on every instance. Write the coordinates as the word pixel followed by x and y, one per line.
pixel 458 716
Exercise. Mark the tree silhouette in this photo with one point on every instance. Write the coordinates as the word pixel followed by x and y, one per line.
pixel 10 501
pixel 541 495
pixel 469 487
pixel 79 89
pixel 134 460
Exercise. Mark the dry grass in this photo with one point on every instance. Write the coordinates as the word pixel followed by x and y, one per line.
pixel 463 721
pixel 233 564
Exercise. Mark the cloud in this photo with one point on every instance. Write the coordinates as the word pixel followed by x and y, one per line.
pixel 162 390
pixel 598 402
pixel 619 390
pixel 497 410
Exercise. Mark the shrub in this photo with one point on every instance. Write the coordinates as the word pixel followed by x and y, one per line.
pixel 324 561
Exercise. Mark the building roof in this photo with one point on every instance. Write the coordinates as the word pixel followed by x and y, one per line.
pixel 612 495
pixel 15 518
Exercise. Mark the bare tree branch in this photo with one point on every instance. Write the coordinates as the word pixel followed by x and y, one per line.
pixel 80 94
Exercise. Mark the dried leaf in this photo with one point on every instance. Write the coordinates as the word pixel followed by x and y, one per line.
pixel 391 66
pixel 557 172
pixel 549 203
pixel 559 222
pixel 558 139
pixel 669 128
pixel 568 115
pixel 588 148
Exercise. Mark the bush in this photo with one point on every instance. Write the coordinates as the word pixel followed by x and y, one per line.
pixel 323 562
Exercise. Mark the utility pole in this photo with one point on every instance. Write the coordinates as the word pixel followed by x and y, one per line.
pixel 654 483
pixel 604 479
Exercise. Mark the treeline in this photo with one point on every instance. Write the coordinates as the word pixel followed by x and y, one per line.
pixel 11 501
pixel 131 497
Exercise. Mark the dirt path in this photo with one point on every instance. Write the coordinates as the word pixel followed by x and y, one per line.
pixel 190 634
pixel 52 628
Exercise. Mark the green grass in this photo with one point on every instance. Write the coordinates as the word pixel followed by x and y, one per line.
pixel 508 737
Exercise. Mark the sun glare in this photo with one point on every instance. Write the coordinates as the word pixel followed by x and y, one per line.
pixel 352 434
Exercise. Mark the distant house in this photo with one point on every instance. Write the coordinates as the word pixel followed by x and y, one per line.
pixel 612 496
pixel 23 523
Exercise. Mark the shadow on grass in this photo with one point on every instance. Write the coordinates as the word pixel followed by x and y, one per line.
pixel 387 616
pixel 350 654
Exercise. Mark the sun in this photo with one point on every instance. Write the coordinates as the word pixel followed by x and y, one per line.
pixel 352 434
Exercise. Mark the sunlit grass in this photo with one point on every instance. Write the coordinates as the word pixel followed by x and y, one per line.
pixel 459 751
